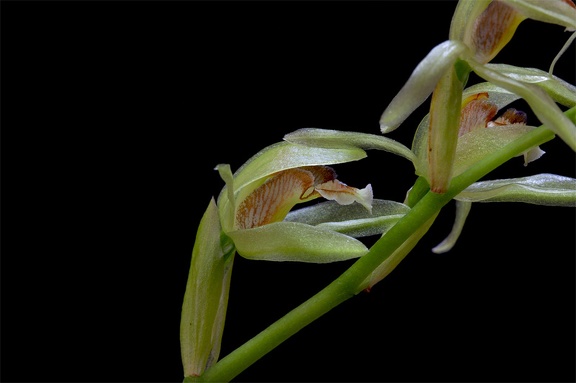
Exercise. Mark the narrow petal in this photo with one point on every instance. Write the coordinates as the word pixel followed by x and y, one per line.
pixel 541 189
pixel 293 241
pixel 462 210
pixel 561 91
pixel 336 139
pixel 421 83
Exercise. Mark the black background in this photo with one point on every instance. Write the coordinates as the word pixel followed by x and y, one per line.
pixel 114 115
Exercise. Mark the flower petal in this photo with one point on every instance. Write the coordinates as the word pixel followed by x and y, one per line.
pixel 336 139
pixel 561 91
pixel 293 241
pixel 421 83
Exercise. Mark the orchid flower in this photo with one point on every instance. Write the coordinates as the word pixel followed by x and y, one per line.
pixel 252 218
pixel 262 192
pixel 479 30
pixel 481 133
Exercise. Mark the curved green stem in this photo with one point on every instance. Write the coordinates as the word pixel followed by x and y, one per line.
pixel 348 284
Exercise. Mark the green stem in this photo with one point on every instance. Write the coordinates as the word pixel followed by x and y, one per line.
pixel 347 284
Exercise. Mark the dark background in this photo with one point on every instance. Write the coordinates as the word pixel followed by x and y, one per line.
pixel 114 115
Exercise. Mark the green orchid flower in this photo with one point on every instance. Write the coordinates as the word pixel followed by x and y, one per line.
pixel 479 30
pixel 479 131
pixel 262 192
pixel 252 217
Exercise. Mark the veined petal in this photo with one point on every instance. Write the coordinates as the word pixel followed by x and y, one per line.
pixel 541 189
pixel 421 83
pixel 293 241
pixel 345 195
pixel 336 139
pixel 272 200
pixel 477 111
pixel 353 220
pixel 461 26
pixel 493 29
pixel 560 12
pixel 561 91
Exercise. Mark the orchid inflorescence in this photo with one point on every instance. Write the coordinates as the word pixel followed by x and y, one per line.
pixel 466 127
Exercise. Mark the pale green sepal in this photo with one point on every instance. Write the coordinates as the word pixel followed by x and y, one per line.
pixel 206 295
pixel 421 83
pixel 561 91
pixel 336 139
pixel 543 105
pixel 547 11
pixel 353 220
pixel 286 155
pixel 541 189
pixel 294 241
pixel 462 210
pixel 462 22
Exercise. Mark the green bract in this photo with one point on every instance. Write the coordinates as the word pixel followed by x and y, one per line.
pixel 206 296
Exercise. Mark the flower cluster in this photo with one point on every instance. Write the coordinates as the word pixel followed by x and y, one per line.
pixel 253 216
